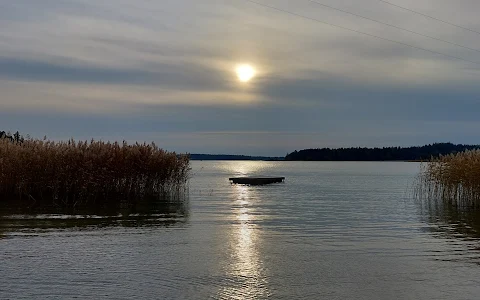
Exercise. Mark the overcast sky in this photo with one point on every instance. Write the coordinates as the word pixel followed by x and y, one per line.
pixel 164 71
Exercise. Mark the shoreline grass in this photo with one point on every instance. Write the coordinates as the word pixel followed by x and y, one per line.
pixel 452 179
pixel 80 173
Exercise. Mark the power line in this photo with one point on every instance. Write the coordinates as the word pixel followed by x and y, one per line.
pixel 394 26
pixel 430 17
pixel 363 33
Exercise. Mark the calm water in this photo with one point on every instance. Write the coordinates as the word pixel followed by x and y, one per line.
pixel 333 230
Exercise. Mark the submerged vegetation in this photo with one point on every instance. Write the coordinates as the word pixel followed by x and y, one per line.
pixel 452 180
pixel 80 174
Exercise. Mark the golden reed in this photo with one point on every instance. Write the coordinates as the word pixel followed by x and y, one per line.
pixel 453 179
pixel 82 173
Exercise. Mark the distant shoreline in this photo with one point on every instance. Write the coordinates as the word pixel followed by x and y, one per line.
pixel 414 153
pixel 406 154
pixel 197 156
pixel 283 160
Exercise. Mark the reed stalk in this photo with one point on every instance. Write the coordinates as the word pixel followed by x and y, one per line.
pixel 80 173
pixel 454 179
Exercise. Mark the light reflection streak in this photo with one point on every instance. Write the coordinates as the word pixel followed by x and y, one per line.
pixel 245 168
pixel 246 272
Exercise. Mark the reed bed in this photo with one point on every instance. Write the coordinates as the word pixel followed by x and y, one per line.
pixel 452 179
pixel 81 173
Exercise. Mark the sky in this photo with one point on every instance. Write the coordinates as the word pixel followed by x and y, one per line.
pixel 164 71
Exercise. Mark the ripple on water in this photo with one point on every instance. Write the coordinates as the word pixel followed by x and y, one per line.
pixel 331 231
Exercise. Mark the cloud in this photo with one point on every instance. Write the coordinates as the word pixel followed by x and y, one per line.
pixel 164 71
pixel 174 76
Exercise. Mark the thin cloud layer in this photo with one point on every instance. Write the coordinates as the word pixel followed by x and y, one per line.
pixel 164 71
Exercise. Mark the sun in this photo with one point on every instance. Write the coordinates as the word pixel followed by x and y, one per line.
pixel 245 72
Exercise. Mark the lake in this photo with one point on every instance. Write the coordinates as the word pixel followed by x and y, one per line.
pixel 333 230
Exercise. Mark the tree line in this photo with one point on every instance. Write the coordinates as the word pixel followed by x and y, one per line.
pixel 16 137
pixel 196 156
pixel 379 154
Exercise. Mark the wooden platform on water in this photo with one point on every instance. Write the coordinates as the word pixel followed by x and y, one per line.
pixel 256 180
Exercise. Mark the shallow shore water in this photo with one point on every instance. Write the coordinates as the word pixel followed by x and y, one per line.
pixel 332 230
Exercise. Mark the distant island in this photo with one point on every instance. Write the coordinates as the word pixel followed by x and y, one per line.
pixel 231 157
pixel 417 153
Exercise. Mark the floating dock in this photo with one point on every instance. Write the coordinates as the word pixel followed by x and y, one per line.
pixel 256 180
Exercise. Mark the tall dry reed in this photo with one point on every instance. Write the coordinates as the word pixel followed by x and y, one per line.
pixel 85 173
pixel 453 179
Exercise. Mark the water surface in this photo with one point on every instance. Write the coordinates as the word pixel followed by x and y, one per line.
pixel 333 230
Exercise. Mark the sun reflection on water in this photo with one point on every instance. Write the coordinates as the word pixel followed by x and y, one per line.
pixel 246 270
pixel 246 168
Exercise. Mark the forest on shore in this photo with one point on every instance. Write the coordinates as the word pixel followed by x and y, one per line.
pixel 416 153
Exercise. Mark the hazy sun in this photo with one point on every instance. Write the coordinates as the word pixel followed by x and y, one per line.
pixel 245 72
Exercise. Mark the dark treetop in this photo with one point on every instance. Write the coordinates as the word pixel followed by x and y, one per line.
pixel 16 137
pixel 379 154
